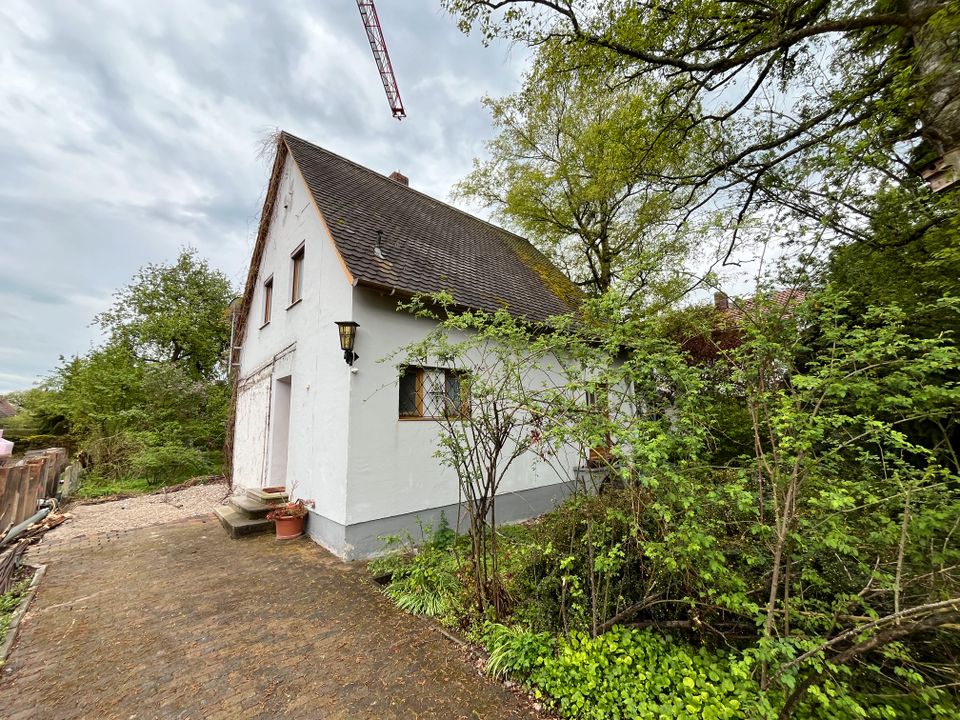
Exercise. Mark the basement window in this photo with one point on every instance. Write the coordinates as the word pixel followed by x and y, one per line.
pixel 296 280
pixel 267 299
pixel 432 393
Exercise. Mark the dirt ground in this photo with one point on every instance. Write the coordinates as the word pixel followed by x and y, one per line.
pixel 179 621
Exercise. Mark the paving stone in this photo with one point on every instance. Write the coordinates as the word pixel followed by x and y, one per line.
pixel 179 621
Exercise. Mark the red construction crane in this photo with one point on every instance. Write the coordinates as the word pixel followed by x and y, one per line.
pixel 371 24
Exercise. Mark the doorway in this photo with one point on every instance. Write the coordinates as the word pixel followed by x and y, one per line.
pixel 280 432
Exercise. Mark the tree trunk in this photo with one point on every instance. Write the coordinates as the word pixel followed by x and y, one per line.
pixel 938 69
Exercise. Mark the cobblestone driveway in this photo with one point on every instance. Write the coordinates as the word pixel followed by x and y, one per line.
pixel 178 621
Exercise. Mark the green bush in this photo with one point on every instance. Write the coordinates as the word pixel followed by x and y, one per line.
pixel 423 580
pixel 110 456
pixel 168 463
pixel 641 674
pixel 37 442
pixel 512 651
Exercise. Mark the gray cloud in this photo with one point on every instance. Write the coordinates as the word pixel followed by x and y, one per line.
pixel 131 129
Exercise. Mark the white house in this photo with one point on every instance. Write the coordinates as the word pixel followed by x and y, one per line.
pixel 341 243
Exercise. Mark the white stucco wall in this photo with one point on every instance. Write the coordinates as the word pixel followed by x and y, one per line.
pixel 392 468
pixel 301 342
pixel 347 450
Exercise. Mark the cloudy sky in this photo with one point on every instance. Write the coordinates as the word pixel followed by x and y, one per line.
pixel 130 129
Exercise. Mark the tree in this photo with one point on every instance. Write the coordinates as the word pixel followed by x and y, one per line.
pixel 805 105
pixel 151 402
pixel 174 313
pixel 564 171
pixel 904 234
pixel 827 536
pixel 854 508
pixel 483 417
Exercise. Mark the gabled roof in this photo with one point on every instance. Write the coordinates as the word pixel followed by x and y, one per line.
pixel 783 300
pixel 427 245
pixel 6 409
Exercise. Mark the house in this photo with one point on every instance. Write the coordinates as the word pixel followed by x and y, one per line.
pixel 782 301
pixel 339 243
pixel 7 410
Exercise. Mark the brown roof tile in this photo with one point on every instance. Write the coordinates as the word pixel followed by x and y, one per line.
pixel 782 299
pixel 428 245
pixel 6 409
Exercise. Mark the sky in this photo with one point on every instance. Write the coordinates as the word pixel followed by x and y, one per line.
pixel 131 129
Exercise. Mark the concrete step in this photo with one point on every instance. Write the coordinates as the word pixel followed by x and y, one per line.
pixel 249 507
pixel 267 495
pixel 237 524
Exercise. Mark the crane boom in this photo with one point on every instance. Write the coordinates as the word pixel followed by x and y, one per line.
pixel 378 45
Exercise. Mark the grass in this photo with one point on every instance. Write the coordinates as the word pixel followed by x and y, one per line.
pixel 94 485
pixel 9 602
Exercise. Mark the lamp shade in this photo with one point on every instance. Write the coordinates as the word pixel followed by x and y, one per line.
pixel 348 334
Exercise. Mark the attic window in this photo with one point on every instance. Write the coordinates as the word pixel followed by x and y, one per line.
pixel 267 299
pixel 296 282
pixel 432 393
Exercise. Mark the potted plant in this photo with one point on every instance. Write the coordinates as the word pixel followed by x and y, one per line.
pixel 289 518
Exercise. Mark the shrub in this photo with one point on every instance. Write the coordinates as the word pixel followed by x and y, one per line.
pixel 627 673
pixel 512 651
pixel 423 580
pixel 168 462
pixel 112 455
pixel 640 674
pixel 38 442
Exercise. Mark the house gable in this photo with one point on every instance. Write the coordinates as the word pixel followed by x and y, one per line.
pixel 397 239
pixel 247 312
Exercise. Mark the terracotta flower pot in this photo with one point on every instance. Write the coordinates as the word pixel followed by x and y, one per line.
pixel 289 528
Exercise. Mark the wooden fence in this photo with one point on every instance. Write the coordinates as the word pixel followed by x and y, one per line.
pixel 26 481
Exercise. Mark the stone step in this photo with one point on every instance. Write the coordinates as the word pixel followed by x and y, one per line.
pixel 249 507
pixel 237 524
pixel 267 495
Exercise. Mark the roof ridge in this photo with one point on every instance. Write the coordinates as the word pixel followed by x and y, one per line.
pixel 448 247
pixel 414 190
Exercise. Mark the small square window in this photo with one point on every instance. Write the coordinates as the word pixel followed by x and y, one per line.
pixel 296 284
pixel 433 393
pixel 267 299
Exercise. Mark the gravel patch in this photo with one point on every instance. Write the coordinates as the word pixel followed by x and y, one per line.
pixel 139 511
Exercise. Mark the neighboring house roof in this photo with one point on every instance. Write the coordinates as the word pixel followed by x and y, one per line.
pixel 6 409
pixel 726 331
pixel 427 246
pixel 738 311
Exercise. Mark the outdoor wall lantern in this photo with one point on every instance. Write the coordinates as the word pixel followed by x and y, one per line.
pixel 348 334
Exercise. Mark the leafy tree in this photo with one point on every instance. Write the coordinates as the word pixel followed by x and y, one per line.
pixel 828 535
pixel 484 423
pixel 174 313
pixel 564 170
pixel 908 257
pixel 152 401
pixel 804 106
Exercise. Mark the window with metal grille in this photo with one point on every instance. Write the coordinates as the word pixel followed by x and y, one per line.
pixel 427 392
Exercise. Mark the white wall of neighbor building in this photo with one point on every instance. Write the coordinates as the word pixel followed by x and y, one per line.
pixel 392 468
pixel 301 342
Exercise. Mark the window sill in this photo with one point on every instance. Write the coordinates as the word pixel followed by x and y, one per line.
pixel 431 418
pixel 294 303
